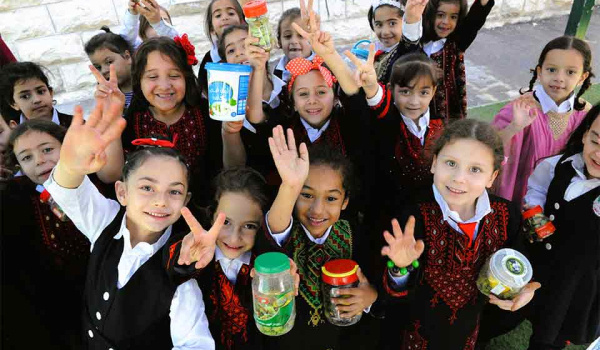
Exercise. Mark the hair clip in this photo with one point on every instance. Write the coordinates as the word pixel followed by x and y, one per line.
pixel 300 66
pixel 189 49
pixel 153 141
pixel 377 3
pixel 504 161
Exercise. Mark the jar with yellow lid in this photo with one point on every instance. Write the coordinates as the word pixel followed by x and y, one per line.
pixel 335 275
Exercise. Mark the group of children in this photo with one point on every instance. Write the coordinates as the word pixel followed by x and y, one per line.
pixel 377 163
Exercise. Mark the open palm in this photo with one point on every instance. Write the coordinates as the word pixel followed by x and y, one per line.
pixel 292 164
pixel 402 248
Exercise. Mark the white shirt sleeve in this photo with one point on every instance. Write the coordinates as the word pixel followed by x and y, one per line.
pixel 165 29
pixel 398 282
pixel 282 237
pixel 375 100
pixel 129 32
pixel 539 181
pixel 278 84
pixel 189 324
pixel 413 31
pixel 87 208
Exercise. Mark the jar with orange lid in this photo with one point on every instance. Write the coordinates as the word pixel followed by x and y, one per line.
pixel 335 275
pixel 537 225
pixel 257 17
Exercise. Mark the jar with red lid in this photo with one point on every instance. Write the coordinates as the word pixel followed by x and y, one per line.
pixel 258 22
pixel 537 225
pixel 335 275
pixel 47 199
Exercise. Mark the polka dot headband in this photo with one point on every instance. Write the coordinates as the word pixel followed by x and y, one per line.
pixel 300 66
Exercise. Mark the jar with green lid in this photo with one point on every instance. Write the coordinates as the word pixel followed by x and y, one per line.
pixel 258 22
pixel 504 274
pixel 273 294
pixel 335 275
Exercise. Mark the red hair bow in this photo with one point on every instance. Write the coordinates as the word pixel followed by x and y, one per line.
pixel 189 49
pixel 155 142
pixel 300 66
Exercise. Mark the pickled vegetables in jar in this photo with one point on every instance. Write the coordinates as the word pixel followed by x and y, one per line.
pixel 504 274
pixel 537 225
pixel 258 22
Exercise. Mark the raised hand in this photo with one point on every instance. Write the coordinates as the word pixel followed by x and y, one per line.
pixel 524 113
pixel 402 248
pixel 132 7
pixel 199 245
pixel 256 55
pixel 414 10
pixel 366 76
pixel 292 164
pixel 520 300
pixel 151 10
pixel 107 91
pixel 232 127
pixel 355 300
pixel 321 42
pixel 305 14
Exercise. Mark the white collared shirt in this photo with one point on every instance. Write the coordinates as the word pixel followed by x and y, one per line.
pixel 278 85
pixel 434 46
pixel 130 30
pixel 413 32
pixel 282 237
pixel 231 267
pixel 540 179
pixel 91 213
pixel 214 53
pixel 55 119
pixel 284 61
pixel 548 104
pixel 314 134
pixel 420 130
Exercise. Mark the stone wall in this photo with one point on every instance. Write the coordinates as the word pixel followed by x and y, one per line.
pixel 52 32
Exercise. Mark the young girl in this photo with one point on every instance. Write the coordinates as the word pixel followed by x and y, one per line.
pixel 448 32
pixel 451 232
pixel 397 34
pixel 219 15
pixel 241 194
pixel 129 300
pixel 108 48
pixel 24 87
pixel 154 21
pixel 291 42
pixel 406 131
pixel 539 124
pixel 304 222
pixel 167 101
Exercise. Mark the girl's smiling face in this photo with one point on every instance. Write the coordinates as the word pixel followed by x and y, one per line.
pixel 462 171
pixel 292 43
pixel 37 154
pixel 322 200
pixel 413 101
pixel 591 149
pixel 223 15
pixel 163 83
pixel 561 72
pixel 387 23
pixel 446 18
pixel 244 219
pixel 313 99
pixel 235 48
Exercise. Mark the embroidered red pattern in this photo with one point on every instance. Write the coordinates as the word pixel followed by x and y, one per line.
pixel 332 136
pixel 190 130
pixel 451 95
pixel 452 266
pixel 414 340
pixel 472 339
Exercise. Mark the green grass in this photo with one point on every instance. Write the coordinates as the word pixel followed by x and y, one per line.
pixel 518 339
pixel 487 113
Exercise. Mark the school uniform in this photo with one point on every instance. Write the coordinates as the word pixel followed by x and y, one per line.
pixel 343 240
pixel 129 300
pixel 442 302
pixel 211 56
pixel 58 118
pixel 386 57
pixel 43 272
pixel 450 100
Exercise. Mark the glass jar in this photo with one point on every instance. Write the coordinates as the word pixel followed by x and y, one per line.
pixel 504 274
pixel 47 199
pixel 258 22
pixel 537 225
pixel 335 275
pixel 273 294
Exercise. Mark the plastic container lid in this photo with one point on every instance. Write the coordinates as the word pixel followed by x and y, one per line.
pixel 511 268
pixel 45 196
pixel 255 8
pixel 531 212
pixel 228 67
pixel 361 53
pixel 340 272
pixel 271 263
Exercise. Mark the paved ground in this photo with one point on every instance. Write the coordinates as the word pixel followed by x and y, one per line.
pixel 499 60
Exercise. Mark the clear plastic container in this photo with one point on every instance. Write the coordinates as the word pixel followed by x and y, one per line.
pixel 273 294
pixel 537 225
pixel 335 275
pixel 258 22
pixel 47 199
pixel 504 274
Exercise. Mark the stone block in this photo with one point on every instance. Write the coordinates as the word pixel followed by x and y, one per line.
pixel 187 7
pixel 193 26
pixel 536 6
pixel 55 79
pixel 52 50
pixel 7 5
pixel 77 76
pixel 74 96
pixel 78 15
pixel 26 23
pixel 511 7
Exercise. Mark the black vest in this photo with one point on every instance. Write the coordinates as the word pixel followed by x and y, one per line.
pixel 567 264
pixel 135 316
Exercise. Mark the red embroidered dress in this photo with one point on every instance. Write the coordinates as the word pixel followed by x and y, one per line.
pixel 444 303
